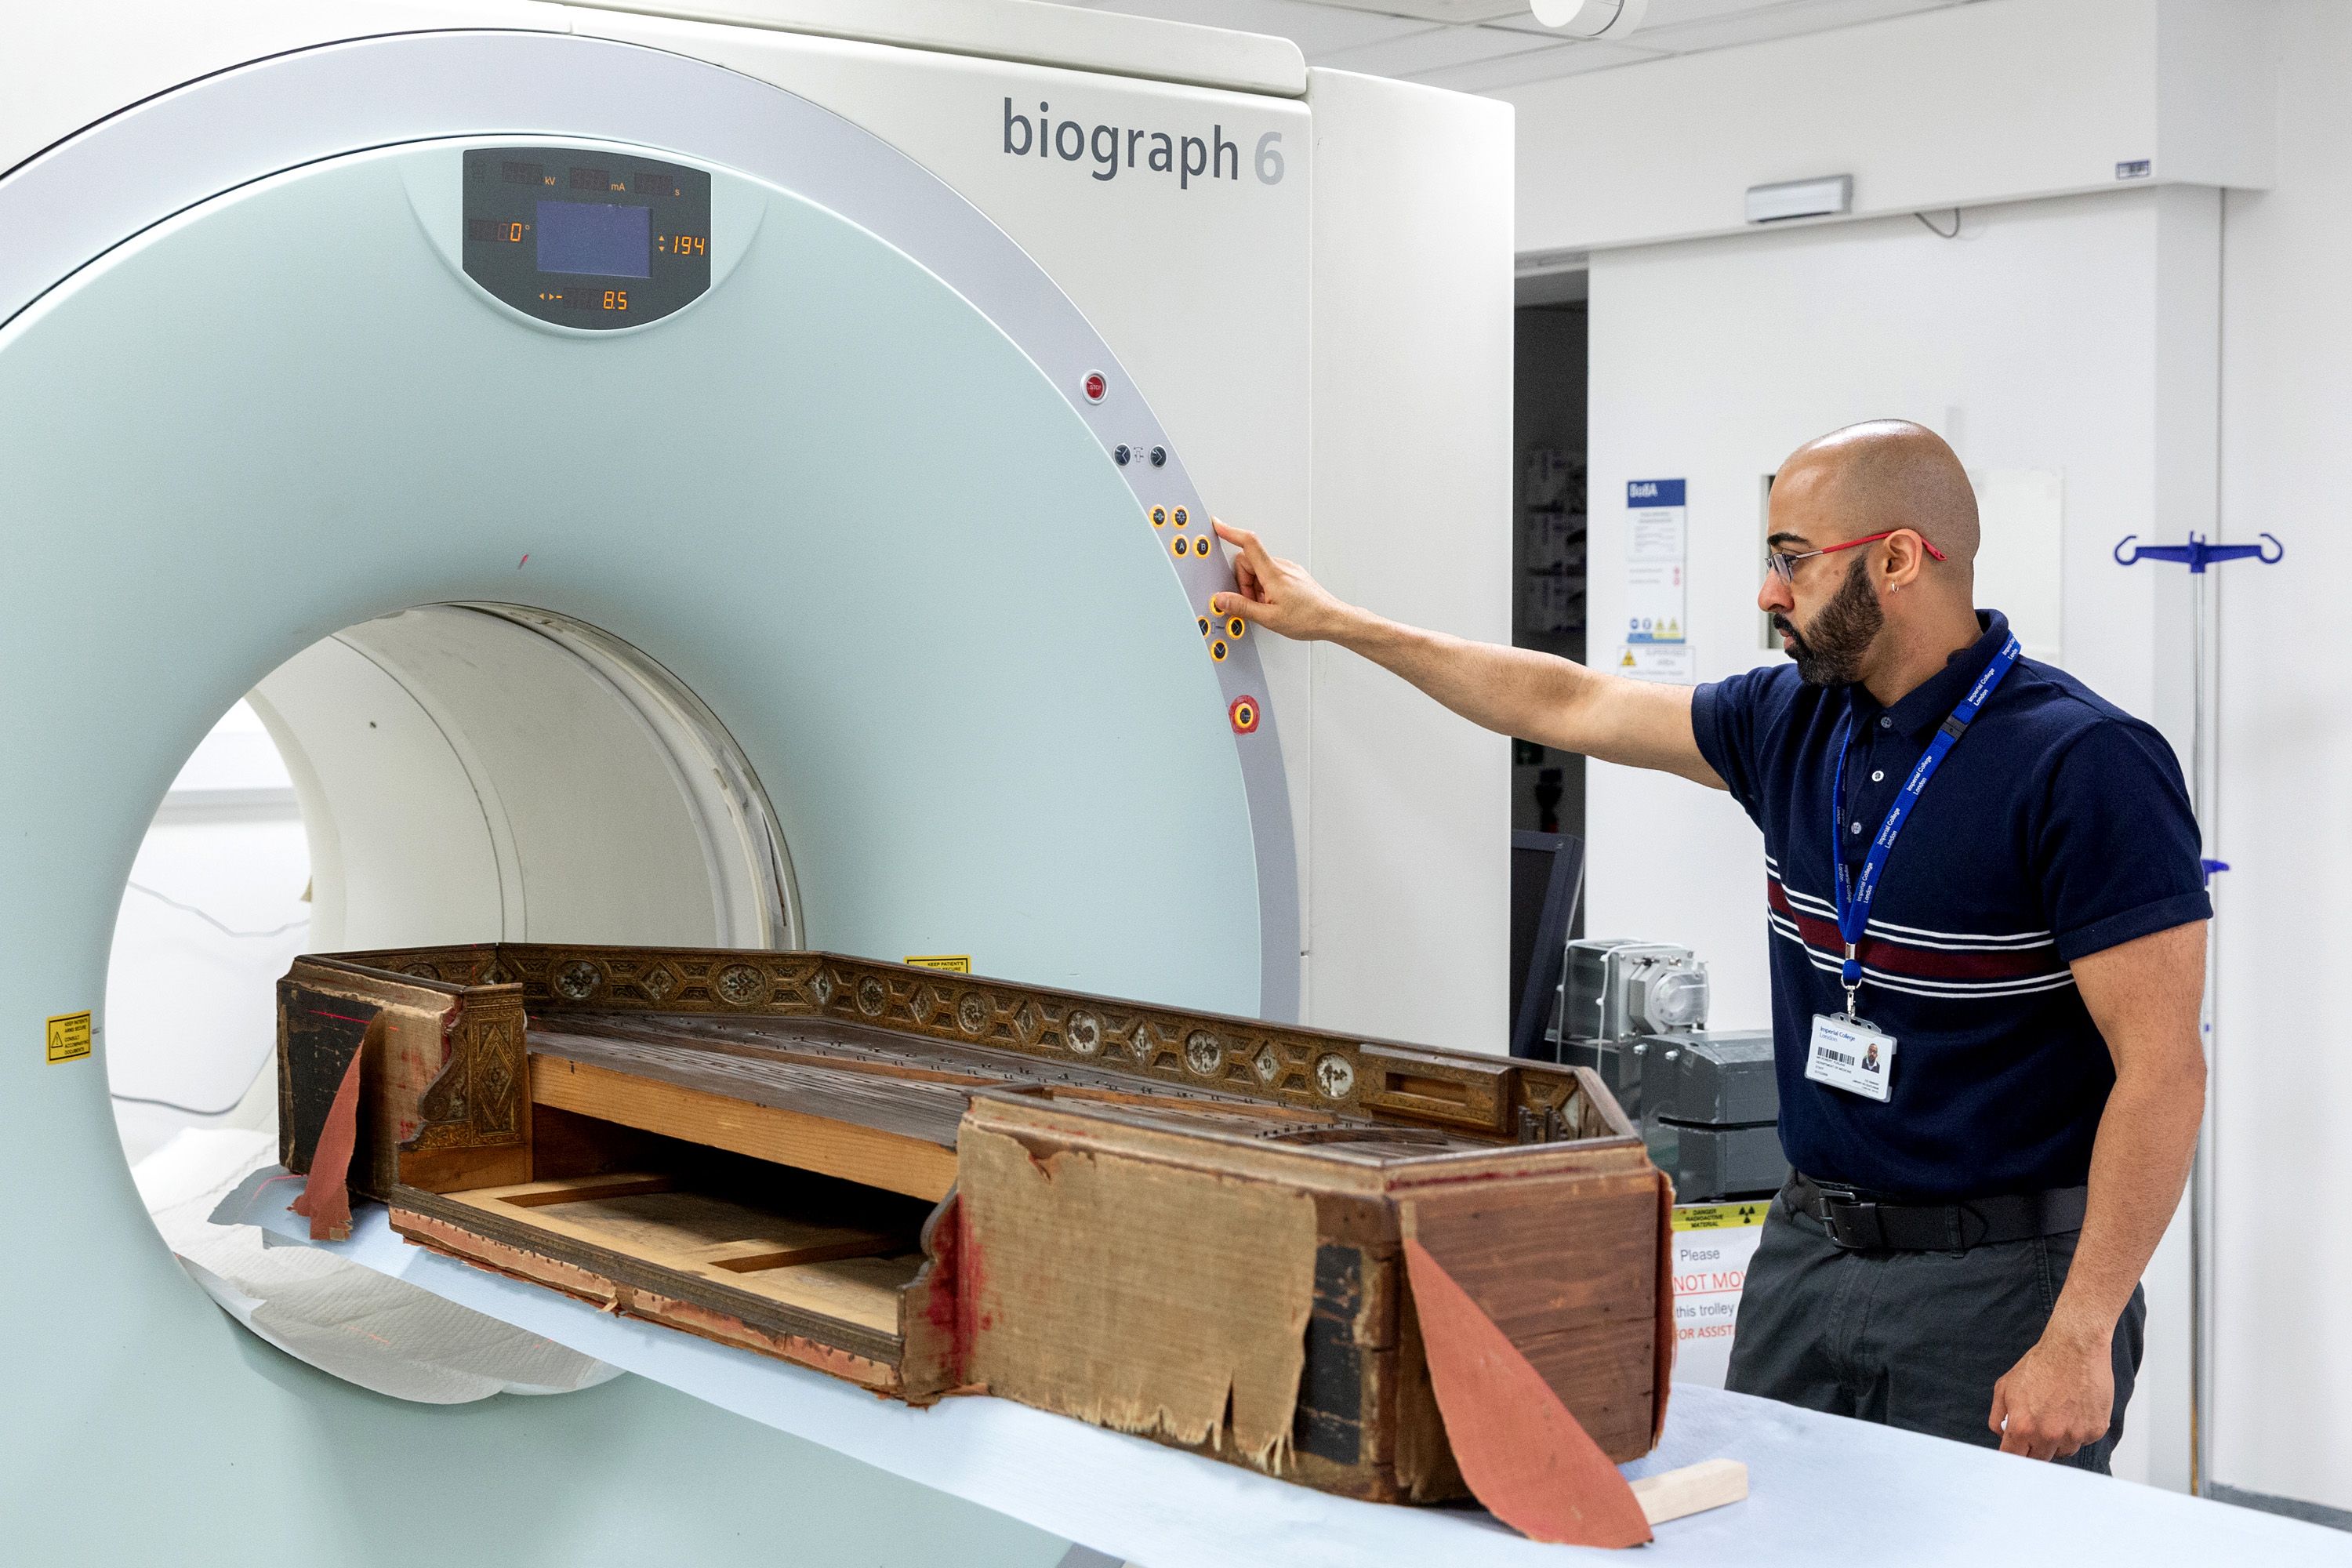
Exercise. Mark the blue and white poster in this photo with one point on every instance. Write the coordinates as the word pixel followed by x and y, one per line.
pixel 1656 546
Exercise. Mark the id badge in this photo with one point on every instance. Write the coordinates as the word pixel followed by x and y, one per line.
pixel 1848 1053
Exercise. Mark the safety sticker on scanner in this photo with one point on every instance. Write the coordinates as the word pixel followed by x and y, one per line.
pixel 69 1037
pixel 947 962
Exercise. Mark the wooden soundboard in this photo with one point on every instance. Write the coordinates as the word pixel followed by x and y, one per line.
pixel 1179 1224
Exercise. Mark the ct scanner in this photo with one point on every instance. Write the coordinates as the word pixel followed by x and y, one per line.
pixel 676 481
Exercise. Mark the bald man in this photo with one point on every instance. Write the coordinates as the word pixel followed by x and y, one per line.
pixel 1987 920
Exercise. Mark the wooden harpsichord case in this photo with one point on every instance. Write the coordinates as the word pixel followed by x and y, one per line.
pixel 1187 1226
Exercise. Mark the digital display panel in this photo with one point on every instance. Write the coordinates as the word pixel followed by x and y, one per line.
pixel 597 246
pixel 597 239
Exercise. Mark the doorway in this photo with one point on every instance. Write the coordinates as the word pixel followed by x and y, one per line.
pixel 1547 549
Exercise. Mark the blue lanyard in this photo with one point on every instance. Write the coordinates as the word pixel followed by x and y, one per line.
pixel 1853 898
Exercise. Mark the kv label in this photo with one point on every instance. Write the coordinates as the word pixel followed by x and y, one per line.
pixel 1108 149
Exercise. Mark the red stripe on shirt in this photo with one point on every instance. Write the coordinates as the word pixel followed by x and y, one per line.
pixel 1892 956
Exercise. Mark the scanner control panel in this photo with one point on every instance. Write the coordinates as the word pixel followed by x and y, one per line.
pixel 584 238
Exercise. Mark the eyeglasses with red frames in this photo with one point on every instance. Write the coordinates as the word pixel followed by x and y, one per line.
pixel 1782 564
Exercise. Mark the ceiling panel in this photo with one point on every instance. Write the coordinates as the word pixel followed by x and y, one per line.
pixel 1671 13
pixel 1755 24
pixel 1485 46
pixel 1662 13
pixel 1417 54
pixel 1437 10
pixel 1545 64
pixel 1317 29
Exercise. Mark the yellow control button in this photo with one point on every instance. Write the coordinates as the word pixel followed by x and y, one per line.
pixel 1235 627
pixel 1158 517
pixel 1217 650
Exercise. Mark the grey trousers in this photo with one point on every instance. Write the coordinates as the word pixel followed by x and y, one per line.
pixel 1914 1340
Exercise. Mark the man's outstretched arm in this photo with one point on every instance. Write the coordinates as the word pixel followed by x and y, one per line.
pixel 1516 691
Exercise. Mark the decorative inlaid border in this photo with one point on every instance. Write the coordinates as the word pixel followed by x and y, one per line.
pixel 1171 1049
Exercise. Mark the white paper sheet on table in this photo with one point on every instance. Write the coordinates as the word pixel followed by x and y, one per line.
pixel 1822 1488
pixel 340 1317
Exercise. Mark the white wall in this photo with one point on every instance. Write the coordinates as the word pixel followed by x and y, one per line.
pixel 1964 104
pixel 2283 1050
pixel 2032 342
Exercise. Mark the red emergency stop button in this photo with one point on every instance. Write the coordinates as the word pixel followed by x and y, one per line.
pixel 1096 387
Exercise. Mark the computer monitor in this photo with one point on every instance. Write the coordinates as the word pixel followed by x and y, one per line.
pixel 1546 878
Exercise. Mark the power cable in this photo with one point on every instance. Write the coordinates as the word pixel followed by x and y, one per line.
pixel 224 929
pixel 1938 233
pixel 176 1105
pixel 210 920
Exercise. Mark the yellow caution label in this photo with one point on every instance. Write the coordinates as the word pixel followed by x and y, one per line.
pixel 948 962
pixel 69 1035
pixel 1720 1216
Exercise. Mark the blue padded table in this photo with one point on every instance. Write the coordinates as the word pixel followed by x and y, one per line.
pixel 1822 1487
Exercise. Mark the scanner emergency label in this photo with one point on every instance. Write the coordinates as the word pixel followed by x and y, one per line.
pixel 68 1037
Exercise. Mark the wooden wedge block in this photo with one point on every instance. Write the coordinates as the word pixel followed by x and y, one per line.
pixel 1522 1450
pixel 1693 1489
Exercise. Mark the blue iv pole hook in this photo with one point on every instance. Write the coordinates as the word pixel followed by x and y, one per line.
pixel 2199 552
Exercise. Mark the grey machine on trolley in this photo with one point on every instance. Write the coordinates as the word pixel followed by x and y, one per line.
pixel 1636 1012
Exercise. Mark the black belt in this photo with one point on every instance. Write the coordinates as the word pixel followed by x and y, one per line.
pixel 1864 1221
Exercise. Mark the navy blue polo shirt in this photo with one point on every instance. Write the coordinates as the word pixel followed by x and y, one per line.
pixel 2058 826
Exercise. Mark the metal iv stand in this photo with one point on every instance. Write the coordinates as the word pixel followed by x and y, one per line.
pixel 2203 779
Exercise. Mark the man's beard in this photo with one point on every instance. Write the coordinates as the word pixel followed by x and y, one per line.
pixel 1829 651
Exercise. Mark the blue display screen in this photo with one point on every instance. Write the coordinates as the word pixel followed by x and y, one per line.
pixel 600 239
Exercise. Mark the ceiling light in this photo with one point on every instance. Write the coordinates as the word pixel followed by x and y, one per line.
pixel 1591 18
